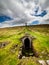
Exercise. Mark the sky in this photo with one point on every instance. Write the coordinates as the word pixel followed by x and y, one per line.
pixel 19 12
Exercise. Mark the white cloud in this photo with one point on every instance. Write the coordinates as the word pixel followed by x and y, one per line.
pixel 20 10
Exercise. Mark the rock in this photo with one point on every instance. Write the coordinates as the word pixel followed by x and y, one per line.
pixel 21 48
pixel 23 57
pixel 42 62
pixel 20 52
pixel 3 44
pixel 19 56
pixel 47 62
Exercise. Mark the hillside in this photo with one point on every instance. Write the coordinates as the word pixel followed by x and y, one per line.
pixel 10 37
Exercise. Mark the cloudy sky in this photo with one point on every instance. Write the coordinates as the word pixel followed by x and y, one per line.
pixel 18 12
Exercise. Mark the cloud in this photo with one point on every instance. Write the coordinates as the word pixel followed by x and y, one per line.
pixel 21 10
pixel 42 14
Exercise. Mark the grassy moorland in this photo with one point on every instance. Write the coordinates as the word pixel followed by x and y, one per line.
pixel 9 55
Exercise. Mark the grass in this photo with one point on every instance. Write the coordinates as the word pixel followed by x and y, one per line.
pixel 13 35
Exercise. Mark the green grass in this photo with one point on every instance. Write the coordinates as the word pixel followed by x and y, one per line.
pixel 13 35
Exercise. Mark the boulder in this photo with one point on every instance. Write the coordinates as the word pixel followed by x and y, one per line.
pixel 42 62
pixel 23 57
pixel 47 62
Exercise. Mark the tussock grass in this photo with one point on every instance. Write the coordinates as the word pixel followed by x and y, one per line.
pixel 41 45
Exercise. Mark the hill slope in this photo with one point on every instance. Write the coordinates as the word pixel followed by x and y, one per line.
pixel 11 37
